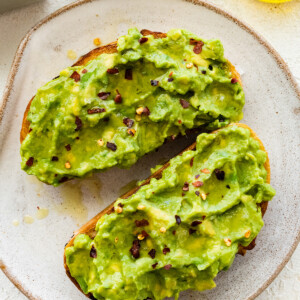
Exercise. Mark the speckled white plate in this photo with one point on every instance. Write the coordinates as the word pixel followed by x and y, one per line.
pixel 32 255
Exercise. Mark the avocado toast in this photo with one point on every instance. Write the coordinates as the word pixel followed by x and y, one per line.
pixel 122 100
pixel 181 226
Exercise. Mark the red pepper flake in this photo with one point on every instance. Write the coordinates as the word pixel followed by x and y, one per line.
pixel 228 186
pixel 178 219
pixel 193 42
pixel 183 194
pixel 185 187
pixel 196 223
pixel 135 249
pixel 167 267
pixel 210 67
pixel 203 72
pixel 29 162
pixel 144 233
pixel 170 79
pixel 75 76
pixel 30 129
pixel 84 71
pixel 206 171
pixel 174 232
pixel 171 73
pixel 154 82
pixel 166 250
pixel 96 111
pixel 146 111
pixel 192 161
pixel 78 122
pixel 111 146
pixel 198 47
pixel 68 147
pixel 118 98
pixel 128 74
pixel 197 193
pixel 54 158
pixel 152 253
pixel 77 138
pixel 154 265
pixel 197 176
pixel 220 174
pixel 143 40
pixel 203 217
pixel 184 103
pixel 191 231
pixel 113 71
pixel 120 204
pixel 93 252
pixel 141 223
pixel 234 80
pixel 179 121
pixel 103 95
pixel 128 122
pixel 197 183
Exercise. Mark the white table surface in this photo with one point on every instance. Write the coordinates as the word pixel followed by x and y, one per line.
pixel 279 24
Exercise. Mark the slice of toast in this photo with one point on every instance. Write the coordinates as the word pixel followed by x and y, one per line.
pixel 109 48
pixel 89 227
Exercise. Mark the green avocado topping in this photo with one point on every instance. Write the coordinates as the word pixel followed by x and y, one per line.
pixel 120 106
pixel 178 232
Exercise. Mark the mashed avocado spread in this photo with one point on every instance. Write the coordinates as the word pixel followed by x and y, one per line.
pixel 178 232
pixel 122 105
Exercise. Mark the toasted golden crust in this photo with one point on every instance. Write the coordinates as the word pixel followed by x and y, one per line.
pixel 109 48
pixel 89 227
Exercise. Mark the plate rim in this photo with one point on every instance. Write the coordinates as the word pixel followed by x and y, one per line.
pixel 279 60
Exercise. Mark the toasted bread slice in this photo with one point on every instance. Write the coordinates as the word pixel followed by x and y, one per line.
pixel 109 48
pixel 89 227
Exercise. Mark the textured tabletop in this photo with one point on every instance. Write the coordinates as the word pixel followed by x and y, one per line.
pixel 279 24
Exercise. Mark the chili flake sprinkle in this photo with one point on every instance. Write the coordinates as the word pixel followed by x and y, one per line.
pixel 141 223
pixel 68 147
pixel 154 265
pixel 118 98
pixel 197 183
pixel 84 71
pixel 197 193
pixel 113 71
pixel 196 223
pixel 197 176
pixel 220 174
pixel 96 111
pixel 135 249
pixel 93 252
pixel 192 161
pixel 75 76
pixel 143 40
pixel 152 253
pixel 198 47
pixel 54 158
pixel 168 267
pixel 29 162
pixel 206 171
pixel 178 219
pixel 166 250
pixel 131 131
pixel 170 79
pixel 234 80
pixel 111 146
pixel 185 187
pixel 154 82
pixel 103 95
pixel 128 122
pixel 184 103
pixel 78 123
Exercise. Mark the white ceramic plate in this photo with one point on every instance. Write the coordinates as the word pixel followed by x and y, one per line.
pixel 31 255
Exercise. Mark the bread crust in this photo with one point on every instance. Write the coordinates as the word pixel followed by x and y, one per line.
pixel 109 48
pixel 89 227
